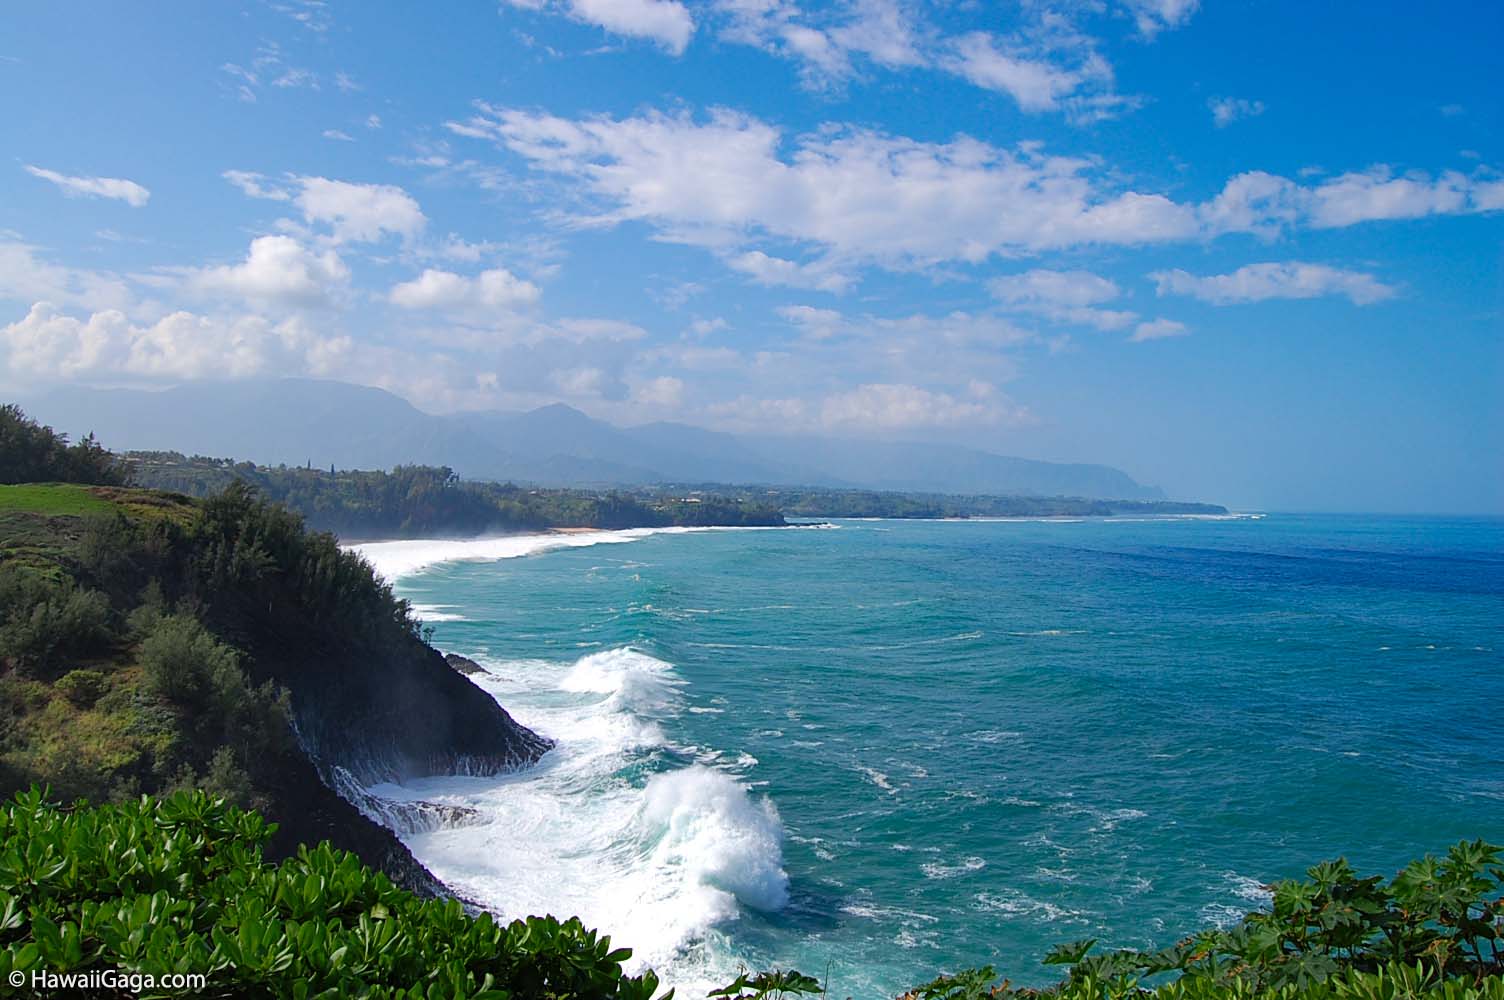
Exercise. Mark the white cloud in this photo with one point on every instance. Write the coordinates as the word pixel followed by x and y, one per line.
pixel 1289 280
pixel 1254 202
pixel 1267 204
pixel 1378 194
pixel 117 188
pixel 278 270
pixel 1154 16
pixel 360 212
pixel 883 31
pixel 664 391
pixel 904 407
pixel 1063 296
pixel 294 77
pixel 1158 329
pixel 48 343
pixel 337 135
pixel 493 290
pixel 667 22
pixel 584 330
pixel 1035 83
pixel 768 270
pixel 579 381
pixel 860 195
pixel 877 407
pixel 816 324
pixel 252 185
pixel 1226 110
pixel 354 212
pixel 705 327
pixel 26 277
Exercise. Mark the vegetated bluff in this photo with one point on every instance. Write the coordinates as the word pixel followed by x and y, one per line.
pixel 150 642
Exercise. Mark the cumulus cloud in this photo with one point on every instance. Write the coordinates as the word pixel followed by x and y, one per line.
pixel 489 291
pixel 1158 329
pixel 48 343
pixel 1063 296
pixel 1226 110
pixel 360 212
pixel 277 270
pixel 846 196
pixel 117 188
pixel 667 22
pixel 355 212
pixel 859 195
pixel 1379 194
pixel 1288 280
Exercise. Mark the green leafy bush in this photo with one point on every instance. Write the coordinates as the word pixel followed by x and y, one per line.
pixel 1441 916
pixel 186 665
pixel 44 620
pixel 179 885
pixel 82 687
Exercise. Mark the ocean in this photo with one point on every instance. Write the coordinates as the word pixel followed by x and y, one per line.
pixel 876 750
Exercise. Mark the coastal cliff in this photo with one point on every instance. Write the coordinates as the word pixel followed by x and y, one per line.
pixel 150 642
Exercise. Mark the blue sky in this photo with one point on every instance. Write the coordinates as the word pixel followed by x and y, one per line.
pixel 1248 251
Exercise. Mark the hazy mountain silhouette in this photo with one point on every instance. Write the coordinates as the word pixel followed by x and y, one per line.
pixel 294 421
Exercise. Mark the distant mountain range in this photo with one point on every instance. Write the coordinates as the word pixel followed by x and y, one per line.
pixel 296 421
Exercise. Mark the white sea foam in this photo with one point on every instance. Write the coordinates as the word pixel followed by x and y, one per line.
pixel 965 866
pixel 393 560
pixel 437 613
pixel 1013 903
pixel 657 860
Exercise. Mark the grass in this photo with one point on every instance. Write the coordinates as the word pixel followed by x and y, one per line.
pixel 57 499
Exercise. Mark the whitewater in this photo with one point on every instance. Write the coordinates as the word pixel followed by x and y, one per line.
pixel 671 857
pixel 882 751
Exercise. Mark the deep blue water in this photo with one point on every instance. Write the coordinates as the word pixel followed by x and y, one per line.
pixel 889 748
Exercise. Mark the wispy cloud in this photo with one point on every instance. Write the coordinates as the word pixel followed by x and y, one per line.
pixel 1226 110
pixel 1284 280
pixel 115 188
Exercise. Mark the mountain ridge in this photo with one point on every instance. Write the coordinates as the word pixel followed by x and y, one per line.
pixel 298 421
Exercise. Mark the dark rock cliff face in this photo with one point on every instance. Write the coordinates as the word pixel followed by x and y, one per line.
pixel 364 719
pixel 406 714
pixel 361 720
pixel 370 708
pixel 307 811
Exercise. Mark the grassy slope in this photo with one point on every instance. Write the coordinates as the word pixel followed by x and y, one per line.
pixel 80 746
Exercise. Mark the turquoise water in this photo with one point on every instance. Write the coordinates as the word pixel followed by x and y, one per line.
pixel 886 748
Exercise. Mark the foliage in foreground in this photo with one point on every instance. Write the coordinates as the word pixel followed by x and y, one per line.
pixel 179 885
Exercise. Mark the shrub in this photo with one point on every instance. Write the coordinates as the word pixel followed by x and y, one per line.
pixel 179 885
pixel 185 664
pixel 82 687
pixel 43 620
